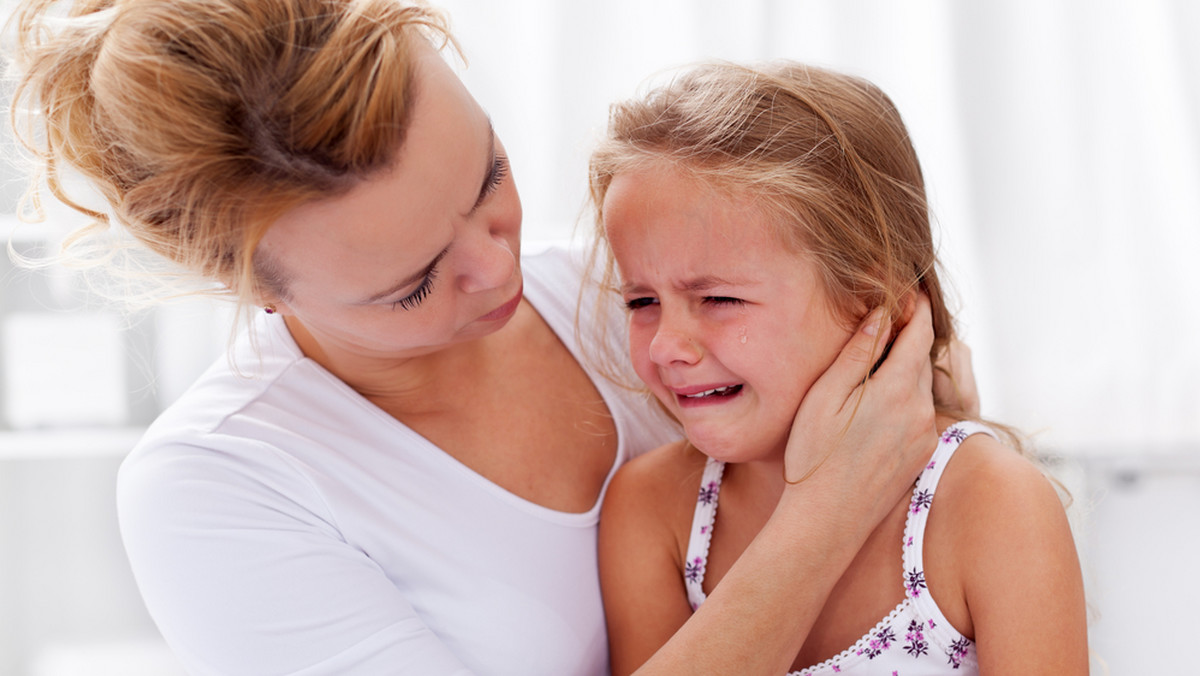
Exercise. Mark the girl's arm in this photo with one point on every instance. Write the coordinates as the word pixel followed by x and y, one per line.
pixel 645 601
pixel 756 620
pixel 1012 549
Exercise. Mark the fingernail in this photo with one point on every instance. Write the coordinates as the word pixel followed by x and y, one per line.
pixel 872 326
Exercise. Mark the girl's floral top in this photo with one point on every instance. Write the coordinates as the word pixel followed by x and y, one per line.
pixel 914 639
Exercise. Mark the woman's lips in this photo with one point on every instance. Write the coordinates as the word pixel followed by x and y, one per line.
pixel 504 311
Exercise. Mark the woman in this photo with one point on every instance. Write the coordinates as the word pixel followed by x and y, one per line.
pixel 399 467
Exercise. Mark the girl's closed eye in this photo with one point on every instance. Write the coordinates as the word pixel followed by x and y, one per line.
pixel 723 300
pixel 639 303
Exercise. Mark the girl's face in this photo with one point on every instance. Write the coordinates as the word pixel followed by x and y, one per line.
pixel 727 327
pixel 416 257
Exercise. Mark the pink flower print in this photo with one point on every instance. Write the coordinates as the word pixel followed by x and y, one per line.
pixel 703 530
pixel 694 569
pixel 958 651
pixel 914 582
pixel 708 493
pixel 953 434
pixel 916 645
pixel 881 641
pixel 921 500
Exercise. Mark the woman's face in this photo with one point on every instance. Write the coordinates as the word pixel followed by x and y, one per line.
pixel 418 256
pixel 727 327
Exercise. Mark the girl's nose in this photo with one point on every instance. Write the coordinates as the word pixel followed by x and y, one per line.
pixel 673 345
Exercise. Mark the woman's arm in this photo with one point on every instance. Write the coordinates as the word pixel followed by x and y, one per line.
pixel 243 578
pixel 757 619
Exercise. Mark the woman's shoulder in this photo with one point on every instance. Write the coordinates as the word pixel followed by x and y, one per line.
pixel 554 263
pixel 247 425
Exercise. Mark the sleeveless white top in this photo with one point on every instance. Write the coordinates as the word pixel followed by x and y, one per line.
pixel 915 639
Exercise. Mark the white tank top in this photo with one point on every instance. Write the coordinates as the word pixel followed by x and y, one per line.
pixel 914 639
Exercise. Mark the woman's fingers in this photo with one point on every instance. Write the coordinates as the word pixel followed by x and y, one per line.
pixel 954 380
pixel 910 349
pixel 854 363
pixel 870 437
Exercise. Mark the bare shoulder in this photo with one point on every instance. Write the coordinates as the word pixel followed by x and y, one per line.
pixel 642 543
pixel 657 479
pixel 1001 518
pixel 987 479
pixel 1008 557
pixel 998 532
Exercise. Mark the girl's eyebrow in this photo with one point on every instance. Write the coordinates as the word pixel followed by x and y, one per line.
pixel 694 285
pixel 407 281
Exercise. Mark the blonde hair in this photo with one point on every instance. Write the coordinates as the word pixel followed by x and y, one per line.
pixel 200 122
pixel 826 155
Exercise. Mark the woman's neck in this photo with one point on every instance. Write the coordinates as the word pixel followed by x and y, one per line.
pixel 419 384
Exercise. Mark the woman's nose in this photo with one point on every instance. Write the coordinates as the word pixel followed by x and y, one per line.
pixel 491 265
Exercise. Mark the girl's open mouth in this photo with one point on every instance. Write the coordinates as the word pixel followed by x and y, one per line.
pixel 727 391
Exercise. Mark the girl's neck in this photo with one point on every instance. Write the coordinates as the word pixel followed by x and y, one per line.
pixel 762 478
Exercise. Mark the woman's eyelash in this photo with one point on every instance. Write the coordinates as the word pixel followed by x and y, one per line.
pixel 414 299
pixel 638 303
pixel 495 177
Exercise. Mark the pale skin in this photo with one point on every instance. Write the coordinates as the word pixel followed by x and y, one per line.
pixel 416 303
pixel 710 289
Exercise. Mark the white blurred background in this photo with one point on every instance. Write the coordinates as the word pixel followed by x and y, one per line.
pixel 1061 146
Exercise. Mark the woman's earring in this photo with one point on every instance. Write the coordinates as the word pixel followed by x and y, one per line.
pixel 269 309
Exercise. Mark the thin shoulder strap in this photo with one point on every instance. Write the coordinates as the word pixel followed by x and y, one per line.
pixel 701 535
pixel 922 500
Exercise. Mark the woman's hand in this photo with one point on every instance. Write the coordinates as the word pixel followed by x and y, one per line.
pixel 874 436
pixel 865 440
pixel 954 380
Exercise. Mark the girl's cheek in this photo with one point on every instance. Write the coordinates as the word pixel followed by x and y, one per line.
pixel 639 352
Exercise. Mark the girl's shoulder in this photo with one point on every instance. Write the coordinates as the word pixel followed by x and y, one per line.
pixel 986 476
pixel 662 482
pixel 995 513
pixel 664 466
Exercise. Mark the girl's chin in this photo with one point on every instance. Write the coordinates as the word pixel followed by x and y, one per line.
pixel 729 451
